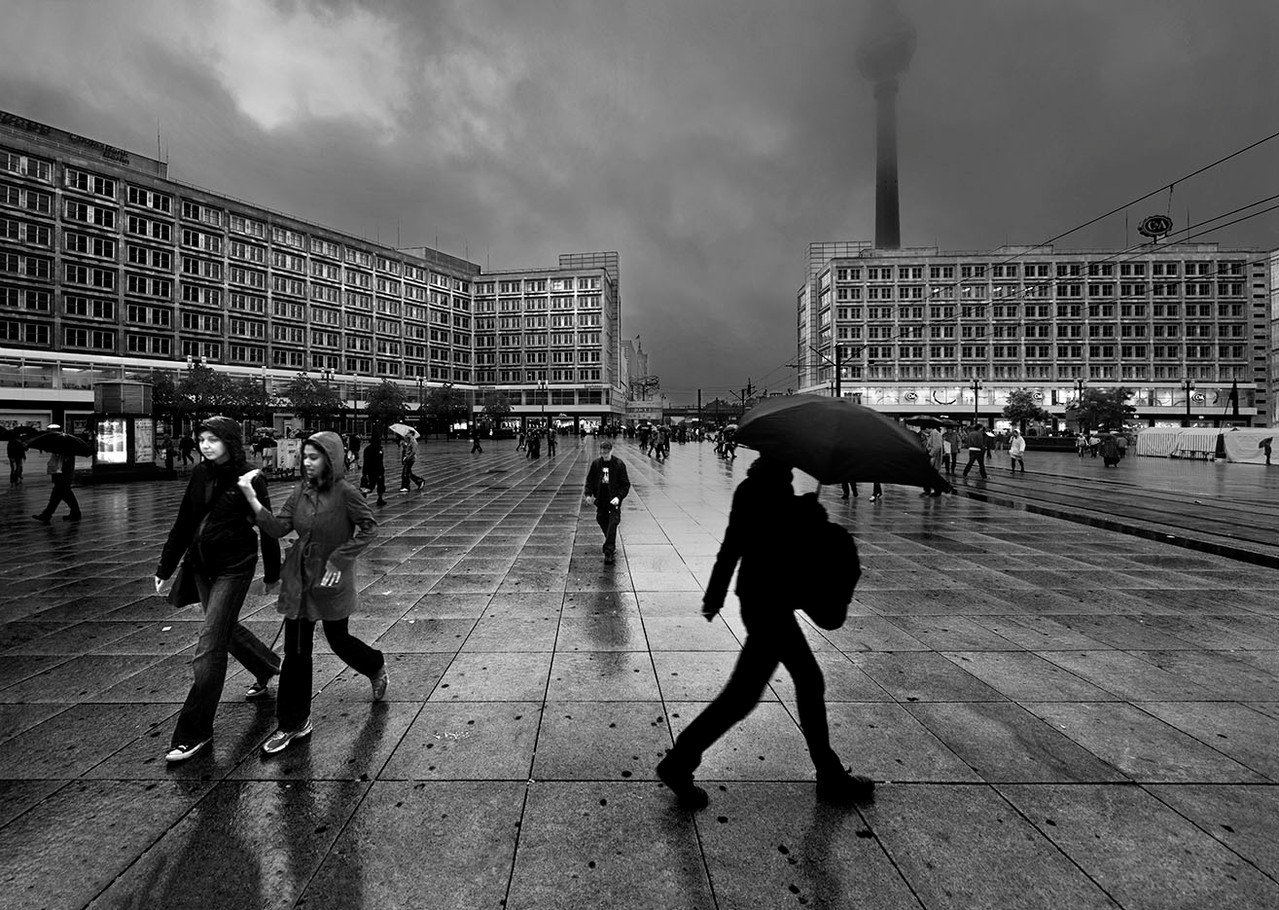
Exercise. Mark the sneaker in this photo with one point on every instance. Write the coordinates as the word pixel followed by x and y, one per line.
pixel 876 496
pixel 379 684
pixel 420 483
pixel 844 789
pixel 183 751
pixel 280 739
pixel 680 780
pixel 257 691
pixel 404 489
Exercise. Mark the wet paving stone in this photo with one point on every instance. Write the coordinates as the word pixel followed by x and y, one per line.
pixel 607 845
pixel 470 741
pixel 937 836
pixel 774 845
pixel 468 829
pixel 274 835
pixel 102 827
pixel 530 682
pixel 1143 853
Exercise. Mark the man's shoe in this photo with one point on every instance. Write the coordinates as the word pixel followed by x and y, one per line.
pixel 844 789
pixel 43 518
pixel 680 780
pixel 258 690
pixel 420 484
pixel 280 739
pixel 608 559
pixel 183 751
pixel 381 502
pixel 380 681
pixel 876 496
pixel 404 489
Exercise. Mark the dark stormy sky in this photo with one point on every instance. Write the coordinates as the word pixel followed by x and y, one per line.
pixel 708 142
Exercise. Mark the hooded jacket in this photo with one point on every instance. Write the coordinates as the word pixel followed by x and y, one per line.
pixel 764 508
pixel 214 529
pixel 334 525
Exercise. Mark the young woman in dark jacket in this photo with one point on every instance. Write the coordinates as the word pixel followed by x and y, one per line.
pixel 215 540
pixel 758 536
pixel 334 524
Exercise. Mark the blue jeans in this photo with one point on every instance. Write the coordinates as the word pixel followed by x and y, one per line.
pixel 222 598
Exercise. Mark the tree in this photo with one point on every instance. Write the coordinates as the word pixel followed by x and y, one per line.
pixel 445 404
pixel 497 407
pixel 312 401
pixel 248 400
pixel 166 403
pixel 386 404
pixel 1098 408
pixel 1022 407
pixel 203 392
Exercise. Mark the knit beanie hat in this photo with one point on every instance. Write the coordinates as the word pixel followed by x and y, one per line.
pixel 224 428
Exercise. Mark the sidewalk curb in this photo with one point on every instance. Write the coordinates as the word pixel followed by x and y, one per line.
pixel 1146 532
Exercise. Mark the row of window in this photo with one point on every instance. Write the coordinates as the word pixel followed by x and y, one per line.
pixel 1032 372
pixel 537 285
pixel 1012 293
pixel 1043 311
pixel 1039 270
pixel 1048 351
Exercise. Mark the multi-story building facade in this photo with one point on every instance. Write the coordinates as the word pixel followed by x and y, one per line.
pixel 109 270
pixel 952 333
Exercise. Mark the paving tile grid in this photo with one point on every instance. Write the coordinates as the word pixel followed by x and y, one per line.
pixel 1057 715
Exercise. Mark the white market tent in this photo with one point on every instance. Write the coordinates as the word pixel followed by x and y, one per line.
pixel 1243 445
pixel 1247 445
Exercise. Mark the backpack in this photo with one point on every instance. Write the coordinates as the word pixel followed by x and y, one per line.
pixel 831 550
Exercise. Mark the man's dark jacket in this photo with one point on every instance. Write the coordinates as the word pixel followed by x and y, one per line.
pixel 619 481
pixel 760 525
pixel 229 540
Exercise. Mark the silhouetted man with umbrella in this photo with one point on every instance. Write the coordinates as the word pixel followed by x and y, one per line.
pixel 760 535
pixel 62 449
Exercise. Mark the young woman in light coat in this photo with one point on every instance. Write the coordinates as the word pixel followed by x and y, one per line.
pixel 334 525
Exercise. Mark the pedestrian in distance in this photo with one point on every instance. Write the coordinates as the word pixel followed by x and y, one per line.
pixel 213 538
pixel 1016 452
pixel 551 442
pixel 186 448
pixel 1081 443
pixel 975 439
pixel 523 441
pixel 17 453
pixel 334 525
pixel 476 448
pixel 1122 442
pixel 408 456
pixel 607 484
pixel 375 470
pixel 354 442
pixel 1110 451
pixel 764 513
pixel 61 470
pixel 933 446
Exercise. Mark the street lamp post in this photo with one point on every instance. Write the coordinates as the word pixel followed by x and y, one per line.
pixel 976 390
pixel 1189 386
pixel 1079 399
pixel 326 373
pixel 541 384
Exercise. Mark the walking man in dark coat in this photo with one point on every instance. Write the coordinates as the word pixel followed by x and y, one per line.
pixel 61 471
pixel 607 484
pixel 976 442
pixel 760 536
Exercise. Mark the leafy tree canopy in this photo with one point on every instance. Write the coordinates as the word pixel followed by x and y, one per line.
pixel 1022 407
pixel 1098 407
pixel 313 401
pixel 386 403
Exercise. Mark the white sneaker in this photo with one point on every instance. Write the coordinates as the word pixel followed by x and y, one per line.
pixel 183 751
pixel 280 739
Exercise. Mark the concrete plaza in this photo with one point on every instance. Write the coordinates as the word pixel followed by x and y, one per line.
pixel 1058 715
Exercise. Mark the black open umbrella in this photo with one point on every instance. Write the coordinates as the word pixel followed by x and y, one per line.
pixel 929 423
pixel 835 441
pixel 59 442
pixel 8 433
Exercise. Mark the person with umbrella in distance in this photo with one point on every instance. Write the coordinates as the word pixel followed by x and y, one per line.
pixel 63 449
pixel 408 456
pixel 607 484
pixel 760 536
pixel 17 453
